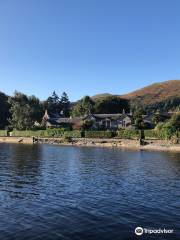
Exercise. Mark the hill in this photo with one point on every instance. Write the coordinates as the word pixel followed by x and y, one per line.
pixel 157 92
pixel 101 96
pixel 164 96
pixel 151 94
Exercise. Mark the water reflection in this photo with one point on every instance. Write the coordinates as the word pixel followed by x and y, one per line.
pixel 26 160
pixel 21 170
pixel 53 192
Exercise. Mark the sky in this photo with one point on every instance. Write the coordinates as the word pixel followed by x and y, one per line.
pixel 85 47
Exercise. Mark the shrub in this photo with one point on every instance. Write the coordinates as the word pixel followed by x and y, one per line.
pixel 167 131
pixel 128 134
pixel 99 134
pixel 47 133
pixel 16 133
pixel 3 133
pixel 151 134
pixel 159 126
pixel 73 134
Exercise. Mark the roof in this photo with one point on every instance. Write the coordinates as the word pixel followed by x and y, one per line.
pixel 52 122
pixel 63 120
pixel 114 116
pixel 55 118
pixel 69 120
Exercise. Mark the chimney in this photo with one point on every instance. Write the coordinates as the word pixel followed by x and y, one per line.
pixel 46 116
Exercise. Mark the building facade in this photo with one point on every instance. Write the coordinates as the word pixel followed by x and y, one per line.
pixel 99 121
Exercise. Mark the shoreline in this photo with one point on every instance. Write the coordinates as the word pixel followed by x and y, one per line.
pixel 150 144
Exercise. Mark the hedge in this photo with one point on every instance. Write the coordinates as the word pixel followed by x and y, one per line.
pixel 74 134
pixel 124 134
pixel 27 133
pixel 47 133
pixel 3 133
pixel 99 134
pixel 128 134
pixel 160 134
pixel 151 134
pixel 134 134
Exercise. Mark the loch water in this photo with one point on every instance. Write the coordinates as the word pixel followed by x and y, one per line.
pixel 85 193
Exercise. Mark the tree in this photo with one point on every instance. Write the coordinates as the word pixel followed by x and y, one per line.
pixel 111 104
pixel 83 107
pixel 4 110
pixel 170 128
pixel 21 111
pixel 138 109
pixel 169 104
pixel 52 104
pixel 175 121
pixel 24 111
pixel 36 107
pixel 65 104
pixel 138 113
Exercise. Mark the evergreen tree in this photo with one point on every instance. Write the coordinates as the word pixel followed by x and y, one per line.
pixel 65 104
pixel 138 113
pixel 52 104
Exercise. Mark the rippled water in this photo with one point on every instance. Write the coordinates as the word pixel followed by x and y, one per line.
pixel 55 192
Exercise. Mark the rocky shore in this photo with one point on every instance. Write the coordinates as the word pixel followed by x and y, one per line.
pixel 154 144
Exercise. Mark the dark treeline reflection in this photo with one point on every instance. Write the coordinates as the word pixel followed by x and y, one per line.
pixel 26 159
pixel 22 168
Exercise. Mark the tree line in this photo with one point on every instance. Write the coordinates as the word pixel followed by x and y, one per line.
pixel 106 105
pixel 169 104
pixel 21 111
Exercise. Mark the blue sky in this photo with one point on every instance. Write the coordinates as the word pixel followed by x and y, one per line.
pixel 86 47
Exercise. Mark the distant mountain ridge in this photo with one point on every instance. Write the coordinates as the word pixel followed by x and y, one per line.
pixel 152 94
pixel 156 92
pixel 100 96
